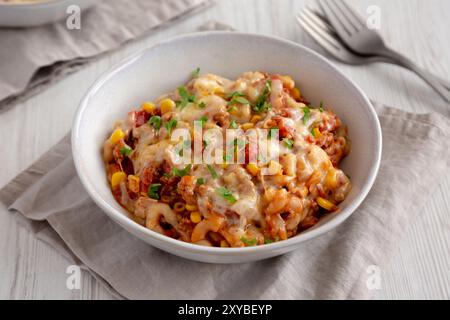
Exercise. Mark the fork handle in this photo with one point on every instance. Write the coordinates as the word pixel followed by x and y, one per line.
pixel 439 85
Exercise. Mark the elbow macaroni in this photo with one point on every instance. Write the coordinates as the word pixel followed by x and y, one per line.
pixel 231 205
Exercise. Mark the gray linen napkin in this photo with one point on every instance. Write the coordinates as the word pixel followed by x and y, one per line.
pixel 40 56
pixel 416 150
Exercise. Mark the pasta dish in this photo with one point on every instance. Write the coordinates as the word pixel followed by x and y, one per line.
pixel 172 164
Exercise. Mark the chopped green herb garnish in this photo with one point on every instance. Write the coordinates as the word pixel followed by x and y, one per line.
pixel 169 125
pixel 321 106
pixel 200 181
pixel 261 104
pixel 153 190
pixel 249 242
pixel 232 109
pixel 289 143
pixel 272 133
pixel 203 120
pixel 196 73
pixel 234 125
pixel 155 122
pixel 226 194
pixel 268 240
pixel 212 171
pixel 183 172
pixel 202 105
pixel 186 97
pixel 238 100
pixel 235 95
pixel 306 115
pixel 126 151
pixel 313 133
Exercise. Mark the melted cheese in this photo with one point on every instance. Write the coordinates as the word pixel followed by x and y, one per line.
pixel 298 165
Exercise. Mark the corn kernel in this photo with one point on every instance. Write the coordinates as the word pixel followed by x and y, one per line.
pixel 196 217
pixel 133 183
pixel 316 133
pixel 326 204
pixel 191 207
pixel 167 105
pixel 117 178
pixel 331 178
pixel 224 166
pixel 148 107
pixel 296 94
pixel 255 118
pixel 253 169
pixel 116 136
pixel 247 126
pixel 224 244
pixel 218 91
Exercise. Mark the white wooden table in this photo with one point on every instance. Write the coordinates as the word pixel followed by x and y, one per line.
pixel 420 268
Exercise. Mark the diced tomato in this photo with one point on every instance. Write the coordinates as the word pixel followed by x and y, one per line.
pixel 309 139
pixel 286 130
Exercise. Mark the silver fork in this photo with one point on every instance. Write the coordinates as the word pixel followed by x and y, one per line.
pixel 319 29
pixel 354 33
pixel 316 25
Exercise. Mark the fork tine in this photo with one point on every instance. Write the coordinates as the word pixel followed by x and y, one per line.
pixel 314 35
pixel 318 34
pixel 319 21
pixel 351 14
pixel 317 12
pixel 337 20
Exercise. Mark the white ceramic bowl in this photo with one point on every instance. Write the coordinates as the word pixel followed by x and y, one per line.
pixel 37 13
pixel 159 69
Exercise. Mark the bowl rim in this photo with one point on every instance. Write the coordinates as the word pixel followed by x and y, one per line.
pixel 126 222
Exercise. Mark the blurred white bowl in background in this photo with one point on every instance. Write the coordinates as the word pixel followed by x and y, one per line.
pixel 37 13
